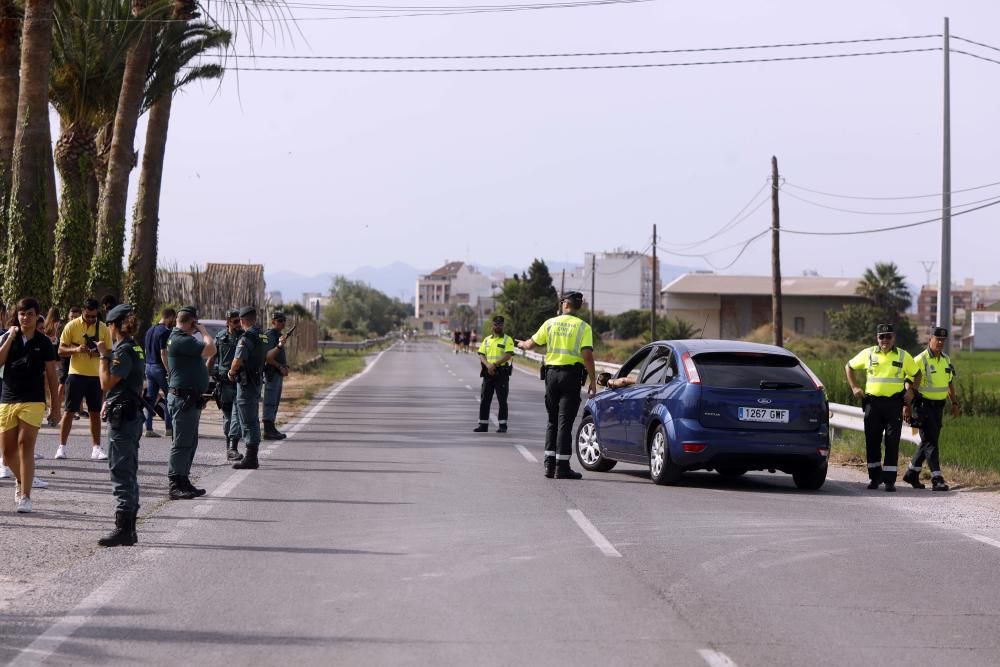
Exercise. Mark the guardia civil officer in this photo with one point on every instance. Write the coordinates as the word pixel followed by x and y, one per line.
pixel 186 359
pixel 121 373
pixel 495 353
pixel 218 367
pixel 569 354
pixel 247 371
pixel 937 387
pixel 275 372
pixel 886 400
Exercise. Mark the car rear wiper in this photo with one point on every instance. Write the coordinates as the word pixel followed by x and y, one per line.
pixel 776 384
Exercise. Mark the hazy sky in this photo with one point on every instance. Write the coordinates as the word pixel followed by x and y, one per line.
pixel 335 171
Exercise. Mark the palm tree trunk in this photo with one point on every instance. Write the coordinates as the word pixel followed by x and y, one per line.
pixel 28 252
pixel 10 58
pixel 106 268
pixel 140 281
pixel 74 158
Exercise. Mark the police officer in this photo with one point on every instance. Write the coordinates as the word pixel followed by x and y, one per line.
pixel 886 400
pixel 121 373
pixel 569 352
pixel 275 371
pixel 218 367
pixel 186 359
pixel 495 353
pixel 247 371
pixel 936 388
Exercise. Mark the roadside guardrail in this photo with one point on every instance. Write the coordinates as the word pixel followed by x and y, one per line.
pixel 353 344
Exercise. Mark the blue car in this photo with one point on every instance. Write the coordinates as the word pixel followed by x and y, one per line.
pixel 720 405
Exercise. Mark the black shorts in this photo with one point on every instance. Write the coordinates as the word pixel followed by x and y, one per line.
pixel 80 387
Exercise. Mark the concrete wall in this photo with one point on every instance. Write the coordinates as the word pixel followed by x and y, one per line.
pixel 986 331
pixel 698 310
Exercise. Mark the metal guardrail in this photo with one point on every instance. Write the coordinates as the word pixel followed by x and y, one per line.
pixel 600 366
pixel 353 344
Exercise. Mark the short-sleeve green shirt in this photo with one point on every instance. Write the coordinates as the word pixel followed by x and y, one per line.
pixel 127 363
pixel 187 367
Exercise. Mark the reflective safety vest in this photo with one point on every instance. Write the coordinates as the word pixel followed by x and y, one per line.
pixel 887 373
pixel 938 373
pixel 495 347
pixel 564 337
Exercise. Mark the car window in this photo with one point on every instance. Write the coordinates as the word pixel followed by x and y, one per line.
pixel 633 366
pixel 751 370
pixel 656 369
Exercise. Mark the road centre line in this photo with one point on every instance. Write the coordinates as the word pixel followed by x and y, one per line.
pixel 468 387
pixel 590 530
pixel 985 540
pixel 47 643
pixel 716 658
pixel 526 454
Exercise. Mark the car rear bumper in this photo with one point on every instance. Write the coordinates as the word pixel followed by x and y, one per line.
pixel 753 450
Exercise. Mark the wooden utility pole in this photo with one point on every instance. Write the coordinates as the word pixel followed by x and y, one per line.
pixel 652 311
pixel 776 319
pixel 593 276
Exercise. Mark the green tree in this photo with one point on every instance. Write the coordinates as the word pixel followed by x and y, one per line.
pixel 528 300
pixel 886 288
pixel 856 323
pixel 357 308
pixel 463 318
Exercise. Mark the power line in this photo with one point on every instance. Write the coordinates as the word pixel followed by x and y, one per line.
pixel 860 212
pixel 733 222
pixel 976 56
pixel 894 198
pixel 888 229
pixel 985 46
pixel 638 256
pixel 742 245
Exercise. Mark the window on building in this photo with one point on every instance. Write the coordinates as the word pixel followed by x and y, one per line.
pixel 800 325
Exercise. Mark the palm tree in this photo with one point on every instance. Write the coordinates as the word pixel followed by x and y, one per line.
pixel 10 62
pixel 885 288
pixel 177 44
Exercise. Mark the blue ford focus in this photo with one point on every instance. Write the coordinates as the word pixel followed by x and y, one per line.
pixel 720 405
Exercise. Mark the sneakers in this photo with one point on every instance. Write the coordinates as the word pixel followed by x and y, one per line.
pixel 151 434
pixel 24 504
pixel 39 484
pixel 60 452
pixel 5 472
pixel 938 484
pixel 98 454
pixel 912 477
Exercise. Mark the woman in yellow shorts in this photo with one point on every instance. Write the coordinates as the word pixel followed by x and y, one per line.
pixel 29 363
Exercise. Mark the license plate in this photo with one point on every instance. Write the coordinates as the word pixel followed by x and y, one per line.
pixel 770 415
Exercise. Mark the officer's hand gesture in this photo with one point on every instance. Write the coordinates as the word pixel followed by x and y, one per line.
pixel 102 349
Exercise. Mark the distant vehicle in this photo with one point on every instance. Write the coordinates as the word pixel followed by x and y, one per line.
pixel 212 327
pixel 717 405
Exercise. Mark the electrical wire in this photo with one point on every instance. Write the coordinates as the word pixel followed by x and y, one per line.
pixel 742 245
pixel 733 222
pixel 976 56
pixel 785 230
pixel 895 198
pixel 859 212
pixel 640 255
pixel 985 46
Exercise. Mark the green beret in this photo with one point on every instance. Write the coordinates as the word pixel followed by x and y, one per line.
pixel 247 311
pixel 118 312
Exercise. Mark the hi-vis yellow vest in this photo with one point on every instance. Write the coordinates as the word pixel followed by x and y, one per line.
pixel 937 374
pixel 886 372
pixel 564 337
pixel 495 347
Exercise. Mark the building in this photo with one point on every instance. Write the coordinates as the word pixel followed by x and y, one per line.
pixel 965 299
pixel 984 331
pixel 314 302
pixel 451 285
pixel 622 280
pixel 731 307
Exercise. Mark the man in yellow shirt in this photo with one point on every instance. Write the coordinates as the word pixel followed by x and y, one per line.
pixel 79 342
pixel 886 400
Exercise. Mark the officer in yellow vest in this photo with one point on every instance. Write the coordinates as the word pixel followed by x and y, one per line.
pixel 936 388
pixel 495 353
pixel 569 361
pixel 885 399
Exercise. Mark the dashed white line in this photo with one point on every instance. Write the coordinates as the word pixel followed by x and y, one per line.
pixel 985 540
pixel 526 454
pixel 468 387
pixel 716 658
pixel 590 530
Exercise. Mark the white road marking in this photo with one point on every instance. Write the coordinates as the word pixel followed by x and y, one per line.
pixel 468 387
pixel 985 540
pixel 595 535
pixel 716 658
pixel 526 454
pixel 461 380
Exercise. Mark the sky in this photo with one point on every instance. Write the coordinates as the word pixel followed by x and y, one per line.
pixel 315 172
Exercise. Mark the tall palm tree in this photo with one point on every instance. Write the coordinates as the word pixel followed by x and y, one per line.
pixel 10 61
pixel 177 45
pixel 885 288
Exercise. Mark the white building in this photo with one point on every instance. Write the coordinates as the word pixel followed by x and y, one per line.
pixel 984 333
pixel 622 280
pixel 454 284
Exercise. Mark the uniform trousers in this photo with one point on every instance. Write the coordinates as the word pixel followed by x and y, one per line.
pixel 123 461
pixel 184 444
pixel 931 417
pixel 248 406
pixel 273 384
pixel 562 400
pixel 498 383
pixel 883 416
pixel 231 427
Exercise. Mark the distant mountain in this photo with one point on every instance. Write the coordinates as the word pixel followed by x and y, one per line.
pixel 396 280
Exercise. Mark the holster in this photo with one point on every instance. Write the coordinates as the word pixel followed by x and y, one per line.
pixel 542 372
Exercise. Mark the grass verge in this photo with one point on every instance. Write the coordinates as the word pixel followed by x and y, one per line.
pixel 302 386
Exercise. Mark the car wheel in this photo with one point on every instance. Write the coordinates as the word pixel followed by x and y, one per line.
pixel 810 479
pixel 588 448
pixel 661 469
pixel 731 472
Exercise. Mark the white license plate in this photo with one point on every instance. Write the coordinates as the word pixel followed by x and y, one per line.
pixel 770 415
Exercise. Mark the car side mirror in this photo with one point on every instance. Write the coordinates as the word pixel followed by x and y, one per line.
pixel 602 379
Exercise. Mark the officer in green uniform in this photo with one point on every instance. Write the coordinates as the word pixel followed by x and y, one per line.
pixel 188 381
pixel 937 387
pixel 121 373
pixel 569 354
pixel 247 371
pixel 495 353
pixel 886 401
pixel 219 365
pixel 275 372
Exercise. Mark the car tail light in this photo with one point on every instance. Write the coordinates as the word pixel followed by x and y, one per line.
pixel 823 451
pixel 694 447
pixel 691 369
pixel 815 379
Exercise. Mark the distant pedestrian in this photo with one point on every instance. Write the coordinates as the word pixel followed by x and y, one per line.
pixel 53 329
pixel 937 387
pixel 79 342
pixel 155 350
pixel 275 372
pixel 885 399
pixel 457 338
pixel 495 354
pixel 466 340
pixel 29 362
pixel 248 372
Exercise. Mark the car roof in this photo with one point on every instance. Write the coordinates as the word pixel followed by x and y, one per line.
pixel 698 346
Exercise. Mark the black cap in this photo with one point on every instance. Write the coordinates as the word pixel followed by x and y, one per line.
pixel 188 309
pixel 247 311
pixel 278 317
pixel 572 296
pixel 498 319
pixel 118 312
pixel 885 329
pixel 940 332
pixel 231 313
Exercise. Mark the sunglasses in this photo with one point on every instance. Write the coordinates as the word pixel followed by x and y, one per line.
pixel 885 336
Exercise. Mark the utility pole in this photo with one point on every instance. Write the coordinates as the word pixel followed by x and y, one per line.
pixel 652 312
pixel 944 284
pixel 562 290
pixel 593 277
pixel 776 318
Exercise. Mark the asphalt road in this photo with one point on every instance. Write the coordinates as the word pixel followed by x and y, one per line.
pixel 385 532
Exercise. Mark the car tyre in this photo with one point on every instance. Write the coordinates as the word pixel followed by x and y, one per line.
pixel 588 449
pixel 810 479
pixel 662 469
pixel 731 472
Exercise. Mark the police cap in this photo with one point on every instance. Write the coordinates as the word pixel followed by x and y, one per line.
pixel 278 317
pixel 576 297
pixel 231 313
pixel 118 312
pixel 248 311
pixel 498 319
pixel 885 329
pixel 940 332
pixel 191 310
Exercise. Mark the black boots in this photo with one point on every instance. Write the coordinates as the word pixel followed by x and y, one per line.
pixel 271 433
pixel 890 486
pixel 232 450
pixel 482 428
pixel 550 466
pixel 249 461
pixel 123 534
pixel 198 493
pixel 502 428
pixel 938 484
pixel 872 485
pixel 179 490
pixel 912 477
pixel 563 471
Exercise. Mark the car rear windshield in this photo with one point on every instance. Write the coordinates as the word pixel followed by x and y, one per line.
pixel 750 370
